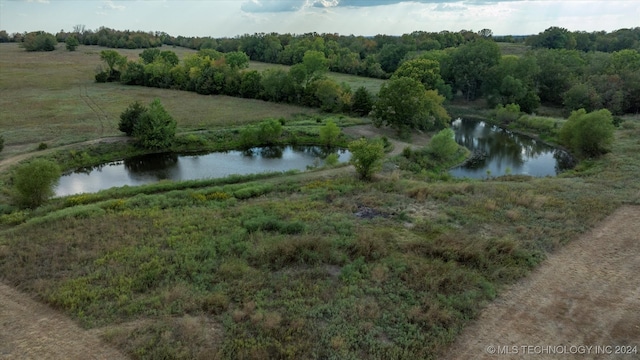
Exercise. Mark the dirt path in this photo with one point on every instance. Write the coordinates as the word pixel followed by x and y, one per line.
pixel 417 140
pixel 30 330
pixel 586 294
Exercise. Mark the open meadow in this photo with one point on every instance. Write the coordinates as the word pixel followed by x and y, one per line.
pixel 52 98
pixel 299 265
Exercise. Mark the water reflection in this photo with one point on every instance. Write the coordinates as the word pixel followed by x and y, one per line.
pixel 170 166
pixel 497 152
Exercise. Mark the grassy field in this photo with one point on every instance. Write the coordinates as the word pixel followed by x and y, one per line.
pixel 516 49
pixel 311 265
pixel 371 84
pixel 52 97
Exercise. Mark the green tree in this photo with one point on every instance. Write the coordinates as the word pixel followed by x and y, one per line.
pixel 237 60
pixel 588 134
pixel 470 65
pixel 330 95
pixel 329 133
pixel 366 156
pixel 404 104
pixel 115 62
pixel 71 42
pixel 149 55
pixel 155 129
pixel 315 64
pixel 130 117
pixel 39 41
pixel 443 145
pixel 269 131
pixel 35 182
pixel 427 72
pixel 250 84
pixel 362 102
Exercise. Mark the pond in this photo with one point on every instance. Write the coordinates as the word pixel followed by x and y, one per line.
pixel 152 168
pixel 496 152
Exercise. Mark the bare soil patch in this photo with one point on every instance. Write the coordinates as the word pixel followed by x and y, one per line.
pixel 586 294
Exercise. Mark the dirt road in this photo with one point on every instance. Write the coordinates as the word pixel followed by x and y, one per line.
pixel 586 294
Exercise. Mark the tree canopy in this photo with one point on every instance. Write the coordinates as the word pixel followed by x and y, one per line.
pixel 35 182
pixel 588 134
pixel 404 104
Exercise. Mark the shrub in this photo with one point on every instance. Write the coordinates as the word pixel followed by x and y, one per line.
pixel 35 181
pixel 443 146
pixel 508 113
pixel 39 41
pixel 588 134
pixel 130 117
pixel 269 131
pixel 366 156
pixel 155 128
pixel 71 43
pixel 329 133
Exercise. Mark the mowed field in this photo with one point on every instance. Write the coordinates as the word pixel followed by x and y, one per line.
pixel 52 98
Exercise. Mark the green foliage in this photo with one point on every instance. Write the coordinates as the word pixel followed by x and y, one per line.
pixel 35 182
pixel 362 102
pixel 329 133
pixel 427 72
pixel 269 131
pixel 39 41
pixel 71 43
pixel 130 117
pixel 443 145
pixel 155 129
pixel 588 134
pixel 404 105
pixel 470 66
pixel 366 156
pixel 543 126
pixel 330 95
pixel 114 62
pixel 237 60
pixel 315 64
pixel 1 143
pixel 508 113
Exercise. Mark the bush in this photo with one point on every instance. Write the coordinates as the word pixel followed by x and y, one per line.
pixel 155 128
pixel 329 133
pixel 443 145
pixel 366 156
pixel 269 131
pixel 588 134
pixel 508 113
pixel 130 117
pixel 71 43
pixel 39 41
pixel 35 182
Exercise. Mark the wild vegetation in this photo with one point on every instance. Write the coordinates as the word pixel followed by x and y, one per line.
pixel 298 265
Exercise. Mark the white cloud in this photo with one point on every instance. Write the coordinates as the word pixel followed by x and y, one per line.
pixel 110 5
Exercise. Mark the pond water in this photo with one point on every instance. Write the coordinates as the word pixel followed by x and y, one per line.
pixel 496 152
pixel 152 168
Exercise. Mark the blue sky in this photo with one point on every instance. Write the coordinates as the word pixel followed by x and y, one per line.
pixel 224 18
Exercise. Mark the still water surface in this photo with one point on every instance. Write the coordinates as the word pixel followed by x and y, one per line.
pixel 501 152
pixel 152 168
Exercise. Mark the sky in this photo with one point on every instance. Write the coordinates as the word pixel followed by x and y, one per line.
pixel 229 18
